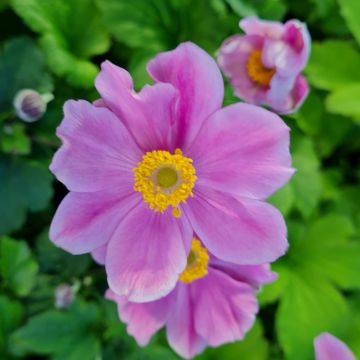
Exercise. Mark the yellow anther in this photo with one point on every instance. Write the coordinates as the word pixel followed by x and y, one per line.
pixel 197 263
pixel 257 71
pixel 165 179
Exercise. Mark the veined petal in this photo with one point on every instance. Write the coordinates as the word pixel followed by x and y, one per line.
pixel 85 221
pixel 244 150
pixel 224 309
pixel 148 114
pixel 98 152
pixel 244 231
pixel 199 83
pixel 147 253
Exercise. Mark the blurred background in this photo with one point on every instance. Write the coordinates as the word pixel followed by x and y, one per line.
pixel 51 303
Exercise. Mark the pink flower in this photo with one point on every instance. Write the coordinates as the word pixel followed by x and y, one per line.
pixel 328 347
pixel 264 65
pixel 213 303
pixel 145 170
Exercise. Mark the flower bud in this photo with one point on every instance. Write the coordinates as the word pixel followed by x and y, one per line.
pixel 30 105
pixel 64 296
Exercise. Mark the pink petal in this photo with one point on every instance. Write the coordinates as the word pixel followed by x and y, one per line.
pixel 143 319
pixel 245 231
pixel 254 26
pixel 180 328
pixel 99 254
pixel 255 275
pixel 97 152
pixel 147 114
pixel 243 149
pixel 224 309
pixel 232 58
pixel 328 347
pixel 147 253
pixel 197 78
pixel 86 221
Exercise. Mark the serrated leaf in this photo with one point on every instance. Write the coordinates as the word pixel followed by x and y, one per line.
pixel 23 186
pixel 308 307
pixel 325 71
pixel 18 268
pixel 22 66
pixel 350 10
pixel 72 32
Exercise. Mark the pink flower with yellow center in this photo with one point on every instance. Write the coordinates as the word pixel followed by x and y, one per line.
pixel 146 170
pixel 264 65
pixel 213 303
pixel 328 347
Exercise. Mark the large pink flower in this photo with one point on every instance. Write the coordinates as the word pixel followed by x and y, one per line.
pixel 145 170
pixel 328 347
pixel 213 303
pixel 264 65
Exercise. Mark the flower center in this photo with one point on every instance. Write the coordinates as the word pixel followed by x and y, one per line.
pixel 197 263
pixel 165 179
pixel 257 71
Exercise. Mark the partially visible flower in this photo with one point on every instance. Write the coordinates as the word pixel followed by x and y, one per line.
pixel 264 65
pixel 146 170
pixel 29 105
pixel 328 347
pixel 213 303
pixel 64 296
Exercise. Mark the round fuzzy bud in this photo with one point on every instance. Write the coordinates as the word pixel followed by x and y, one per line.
pixel 64 296
pixel 29 105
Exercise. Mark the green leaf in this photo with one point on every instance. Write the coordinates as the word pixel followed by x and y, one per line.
pixel 283 199
pixel 60 333
pixel 345 101
pixel 18 268
pixel 350 10
pixel 306 182
pixel 254 346
pixel 71 34
pixel 11 314
pixel 14 140
pixel 325 71
pixel 22 186
pixel 308 307
pixel 21 67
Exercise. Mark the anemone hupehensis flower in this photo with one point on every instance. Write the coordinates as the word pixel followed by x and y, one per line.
pixel 264 65
pixel 328 347
pixel 213 303
pixel 146 170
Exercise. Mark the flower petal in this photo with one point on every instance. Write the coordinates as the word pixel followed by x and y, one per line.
pixel 180 328
pixel 328 347
pixel 224 309
pixel 86 221
pixel 147 253
pixel 232 58
pixel 197 78
pixel 244 231
pixel 242 149
pixel 254 26
pixel 99 254
pixel 148 114
pixel 255 275
pixel 143 319
pixel 97 152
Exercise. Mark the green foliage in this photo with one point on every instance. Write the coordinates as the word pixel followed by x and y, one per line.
pixel 56 47
pixel 71 33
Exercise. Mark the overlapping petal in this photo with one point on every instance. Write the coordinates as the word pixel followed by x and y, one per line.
pixel 98 152
pixel 147 253
pixel 199 83
pixel 243 150
pixel 244 231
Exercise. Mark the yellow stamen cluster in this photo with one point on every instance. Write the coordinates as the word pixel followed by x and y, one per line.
pixel 165 179
pixel 257 71
pixel 197 263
